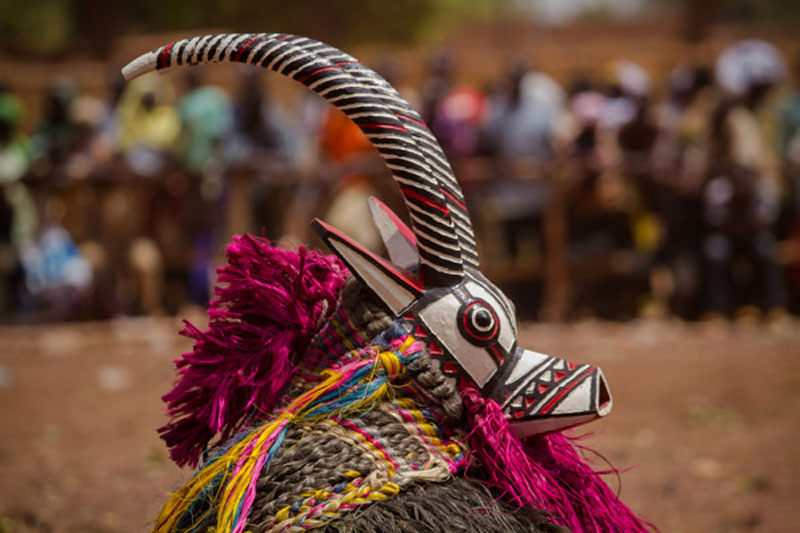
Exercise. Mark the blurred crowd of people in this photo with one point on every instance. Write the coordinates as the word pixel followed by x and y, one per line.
pixel 116 205
pixel 684 199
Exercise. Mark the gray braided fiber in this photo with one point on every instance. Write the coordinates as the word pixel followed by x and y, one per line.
pixel 457 504
pixel 310 459
pixel 370 319
pixel 367 316
pixel 319 457
pixel 394 437
pixel 427 373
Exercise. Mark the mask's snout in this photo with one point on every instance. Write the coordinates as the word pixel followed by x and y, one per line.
pixel 604 400
pixel 541 394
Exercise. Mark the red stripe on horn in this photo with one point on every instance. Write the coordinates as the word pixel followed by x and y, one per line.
pixel 453 199
pixel 162 59
pixel 321 69
pixel 411 119
pixel 244 47
pixel 383 126
pixel 425 200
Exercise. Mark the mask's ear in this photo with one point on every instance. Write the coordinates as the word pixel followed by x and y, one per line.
pixel 397 237
pixel 389 283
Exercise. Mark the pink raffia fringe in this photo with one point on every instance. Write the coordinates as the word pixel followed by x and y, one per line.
pixel 547 473
pixel 269 304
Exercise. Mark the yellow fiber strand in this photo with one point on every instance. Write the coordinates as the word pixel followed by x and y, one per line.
pixel 313 507
pixel 345 340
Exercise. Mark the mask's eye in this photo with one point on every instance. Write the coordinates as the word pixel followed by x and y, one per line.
pixel 478 322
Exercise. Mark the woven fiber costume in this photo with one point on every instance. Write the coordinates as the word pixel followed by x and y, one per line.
pixel 355 393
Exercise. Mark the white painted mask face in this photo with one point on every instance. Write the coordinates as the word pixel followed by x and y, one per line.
pixel 471 328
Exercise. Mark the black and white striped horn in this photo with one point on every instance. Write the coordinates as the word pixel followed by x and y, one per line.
pixel 430 147
pixel 435 202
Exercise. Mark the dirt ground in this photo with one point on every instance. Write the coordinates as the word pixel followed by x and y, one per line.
pixel 705 422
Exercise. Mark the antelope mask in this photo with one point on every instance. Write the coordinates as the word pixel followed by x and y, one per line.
pixel 432 284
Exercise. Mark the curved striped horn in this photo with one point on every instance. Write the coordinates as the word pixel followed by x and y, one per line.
pixel 435 203
pixel 430 147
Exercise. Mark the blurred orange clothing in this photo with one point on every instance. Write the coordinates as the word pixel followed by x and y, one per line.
pixel 340 139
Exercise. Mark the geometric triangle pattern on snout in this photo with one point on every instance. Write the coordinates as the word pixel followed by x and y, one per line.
pixel 542 385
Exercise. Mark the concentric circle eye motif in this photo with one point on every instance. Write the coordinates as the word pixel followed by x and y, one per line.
pixel 478 322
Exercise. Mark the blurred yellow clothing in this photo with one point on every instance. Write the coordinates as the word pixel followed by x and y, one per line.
pixel 147 116
pixel 694 122
pixel 748 145
pixel 158 128
pixel 647 231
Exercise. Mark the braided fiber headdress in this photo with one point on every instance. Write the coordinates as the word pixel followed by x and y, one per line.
pixel 328 389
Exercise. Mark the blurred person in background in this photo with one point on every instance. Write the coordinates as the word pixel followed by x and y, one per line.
pixel 260 125
pixel 521 118
pixel 57 130
pixel 107 136
pixel 70 253
pixel 261 150
pixel 580 139
pixel 206 117
pixel 598 220
pixel 605 268
pixel 58 278
pixel 453 112
pixel 69 140
pixel 92 179
pixel 160 245
pixel 457 121
pixel 437 83
pixel 149 125
pixel 518 134
pixel 741 192
pixel 18 216
pixel 628 87
pixel 88 149
pixel 679 161
pixel 636 139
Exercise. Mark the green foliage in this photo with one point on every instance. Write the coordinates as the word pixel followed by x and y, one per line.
pixel 41 27
pixel 47 27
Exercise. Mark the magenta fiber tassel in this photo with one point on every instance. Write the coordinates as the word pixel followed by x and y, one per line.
pixel 546 473
pixel 269 304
